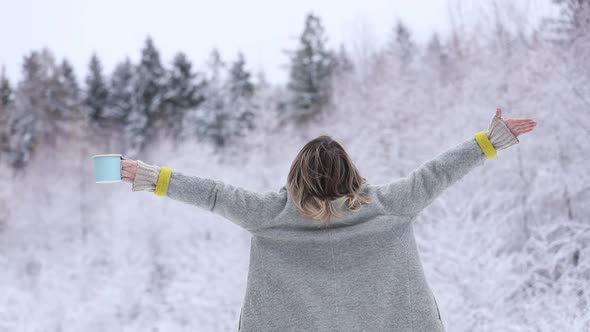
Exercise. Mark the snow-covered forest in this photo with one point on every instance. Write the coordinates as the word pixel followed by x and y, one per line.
pixel 505 249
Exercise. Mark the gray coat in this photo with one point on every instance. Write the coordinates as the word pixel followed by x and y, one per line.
pixel 360 273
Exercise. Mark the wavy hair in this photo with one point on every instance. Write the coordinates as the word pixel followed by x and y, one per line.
pixel 323 178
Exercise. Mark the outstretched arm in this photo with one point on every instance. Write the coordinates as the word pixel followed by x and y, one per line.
pixel 411 194
pixel 246 208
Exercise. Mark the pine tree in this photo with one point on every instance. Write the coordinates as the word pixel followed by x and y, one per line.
pixel 39 93
pixel 438 58
pixel 67 97
pixel 217 68
pixel 68 77
pixel 240 91
pixel 226 107
pixel 6 99
pixel 401 46
pixel 135 127
pixel 573 22
pixel 434 47
pixel 311 70
pixel 149 91
pixel 261 80
pixel 184 85
pixel 343 63
pixel 5 89
pixel 570 33
pixel 32 120
pixel 121 96
pixel 184 93
pixel 240 84
pixel 151 82
pixel 212 120
pixel 96 89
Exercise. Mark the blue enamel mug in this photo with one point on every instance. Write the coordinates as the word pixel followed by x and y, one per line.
pixel 107 168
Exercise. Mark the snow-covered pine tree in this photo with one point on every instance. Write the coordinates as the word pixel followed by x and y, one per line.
pixel 572 24
pixel 437 59
pixel 96 89
pixel 22 120
pixel 264 103
pixel 135 129
pixel 433 50
pixel 239 80
pixel 6 101
pixel 68 77
pixel 149 89
pixel 344 76
pixel 185 92
pixel 343 62
pixel 4 132
pixel 311 70
pixel 6 95
pixel 34 117
pixel 212 121
pixel 151 82
pixel 219 118
pixel 240 91
pixel 121 93
pixel 401 47
pixel 67 97
pixel 571 33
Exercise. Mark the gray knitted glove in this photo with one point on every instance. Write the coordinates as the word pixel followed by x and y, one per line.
pixel 146 177
pixel 500 135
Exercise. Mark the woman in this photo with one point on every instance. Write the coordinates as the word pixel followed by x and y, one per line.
pixel 330 252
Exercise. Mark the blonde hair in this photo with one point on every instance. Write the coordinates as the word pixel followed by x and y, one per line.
pixel 321 173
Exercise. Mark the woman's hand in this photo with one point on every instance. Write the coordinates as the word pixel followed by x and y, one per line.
pixel 128 169
pixel 517 126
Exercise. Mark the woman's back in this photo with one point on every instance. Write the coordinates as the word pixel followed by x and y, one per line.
pixel 360 272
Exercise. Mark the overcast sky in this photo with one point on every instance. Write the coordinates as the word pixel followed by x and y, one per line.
pixel 262 29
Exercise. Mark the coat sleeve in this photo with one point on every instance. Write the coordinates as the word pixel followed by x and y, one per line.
pixel 246 208
pixel 414 192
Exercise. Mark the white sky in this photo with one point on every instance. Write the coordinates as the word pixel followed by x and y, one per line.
pixel 262 29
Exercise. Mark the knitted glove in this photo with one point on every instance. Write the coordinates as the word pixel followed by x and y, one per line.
pixel 500 135
pixel 146 177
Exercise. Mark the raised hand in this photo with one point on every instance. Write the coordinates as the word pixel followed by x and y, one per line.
pixel 128 169
pixel 517 126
